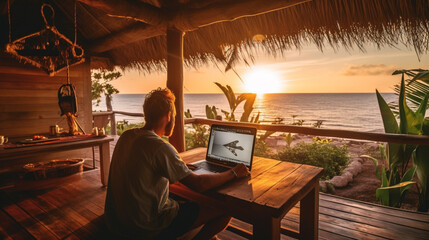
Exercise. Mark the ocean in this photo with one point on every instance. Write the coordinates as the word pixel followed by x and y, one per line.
pixel 348 111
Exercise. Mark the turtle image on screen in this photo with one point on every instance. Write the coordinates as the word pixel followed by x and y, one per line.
pixel 232 147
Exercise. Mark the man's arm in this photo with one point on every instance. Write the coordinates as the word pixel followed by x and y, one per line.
pixel 204 182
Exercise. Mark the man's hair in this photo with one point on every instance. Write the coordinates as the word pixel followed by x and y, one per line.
pixel 157 104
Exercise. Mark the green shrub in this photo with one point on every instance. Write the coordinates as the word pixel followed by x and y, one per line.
pixel 262 149
pixel 197 137
pixel 122 126
pixel 332 158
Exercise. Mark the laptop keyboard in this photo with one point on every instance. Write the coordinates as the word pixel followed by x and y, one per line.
pixel 210 167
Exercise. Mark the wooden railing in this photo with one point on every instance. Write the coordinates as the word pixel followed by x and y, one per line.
pixel 377 137
pixel 112 116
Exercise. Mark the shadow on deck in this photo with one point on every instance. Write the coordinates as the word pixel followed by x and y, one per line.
pixel 74 211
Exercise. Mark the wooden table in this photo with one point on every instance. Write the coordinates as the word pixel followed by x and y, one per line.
pixel 265 197
pixel 29 151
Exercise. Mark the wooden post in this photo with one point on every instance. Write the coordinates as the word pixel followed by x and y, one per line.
pixel 104 150
pixel 309 214
pixel 266 227
pixel 175 84
pixel 113 124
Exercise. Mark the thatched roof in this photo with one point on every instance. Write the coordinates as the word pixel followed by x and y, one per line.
pixel 347 23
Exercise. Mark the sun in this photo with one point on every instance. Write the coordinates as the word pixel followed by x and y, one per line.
pixel 261 80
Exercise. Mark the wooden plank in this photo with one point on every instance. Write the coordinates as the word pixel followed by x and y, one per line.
pixel 193 155
pixel 11 229
pixel 34 227
pixel 291 188
pixel 32 86
pixel 38 93
pixel 56 226
pixel 71 214
pixel 347 228
pixel 394 228
pixel 69 217
pixel 5 108
pixel 385 218
pixel 28 115
pixel 29 70
pixel 258 185
pixel 22 78
pixel 376 208
pixel 333 228
pixel 9 153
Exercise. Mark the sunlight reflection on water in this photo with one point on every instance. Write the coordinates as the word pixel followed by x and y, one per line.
pixel 350 111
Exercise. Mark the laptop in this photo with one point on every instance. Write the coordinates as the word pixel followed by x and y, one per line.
pixel 227 147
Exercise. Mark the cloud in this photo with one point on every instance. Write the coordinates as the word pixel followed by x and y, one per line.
pixel 369 69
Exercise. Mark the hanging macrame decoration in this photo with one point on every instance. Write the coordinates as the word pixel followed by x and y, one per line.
pixel 47 49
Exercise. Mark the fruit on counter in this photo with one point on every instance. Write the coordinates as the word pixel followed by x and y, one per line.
pixel 39 137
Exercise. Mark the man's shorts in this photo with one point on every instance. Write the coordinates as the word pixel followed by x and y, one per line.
pixel 182 223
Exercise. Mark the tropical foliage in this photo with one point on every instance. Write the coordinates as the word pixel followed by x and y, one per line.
pixel 416 88
pixel 396 175
pixel 198 136
pixel 234 101
pixel 101 85
pixel 320 153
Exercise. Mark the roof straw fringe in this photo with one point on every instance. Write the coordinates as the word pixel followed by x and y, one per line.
pixel 346 23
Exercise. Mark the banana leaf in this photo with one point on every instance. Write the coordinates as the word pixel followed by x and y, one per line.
pixel 421 162
pixel 229 94
pixel 211 112
pixel 389 120
pixel 374 160
pixel 394 151
pixel 248 106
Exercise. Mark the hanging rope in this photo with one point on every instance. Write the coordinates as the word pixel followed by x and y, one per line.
pixel 8 18
pixel 43 15
pixel 75 24
pixel 68 72
pixel 75 34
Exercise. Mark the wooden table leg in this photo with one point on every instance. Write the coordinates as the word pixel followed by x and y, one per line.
pixel 309 215
pixel 265 228
pixel 104 162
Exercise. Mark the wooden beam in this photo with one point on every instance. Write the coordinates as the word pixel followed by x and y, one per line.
pixel 135 10
pixel 135 32
pixel 175 84
pixel 226 10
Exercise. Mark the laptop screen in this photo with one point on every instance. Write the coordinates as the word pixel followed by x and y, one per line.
pixel 230 144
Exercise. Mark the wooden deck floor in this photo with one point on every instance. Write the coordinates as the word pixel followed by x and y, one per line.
pixel 74 210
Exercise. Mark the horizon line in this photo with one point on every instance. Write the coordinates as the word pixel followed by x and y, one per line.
pixel 273 93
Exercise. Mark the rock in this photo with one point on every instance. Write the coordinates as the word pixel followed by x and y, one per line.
pixel 356 159
pixel 348 175
pixel 339 181
pixel 355 168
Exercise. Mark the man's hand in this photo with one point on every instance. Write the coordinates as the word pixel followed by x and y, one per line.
pixel 241 170
pixel 204 182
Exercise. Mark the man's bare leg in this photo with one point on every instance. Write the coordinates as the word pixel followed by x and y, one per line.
pixel 214 221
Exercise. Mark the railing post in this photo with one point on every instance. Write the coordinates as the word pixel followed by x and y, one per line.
pixel 113 124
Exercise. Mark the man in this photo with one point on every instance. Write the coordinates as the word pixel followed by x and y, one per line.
pixel 143 165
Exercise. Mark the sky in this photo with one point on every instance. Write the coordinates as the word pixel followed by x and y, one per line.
pixel 298 71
